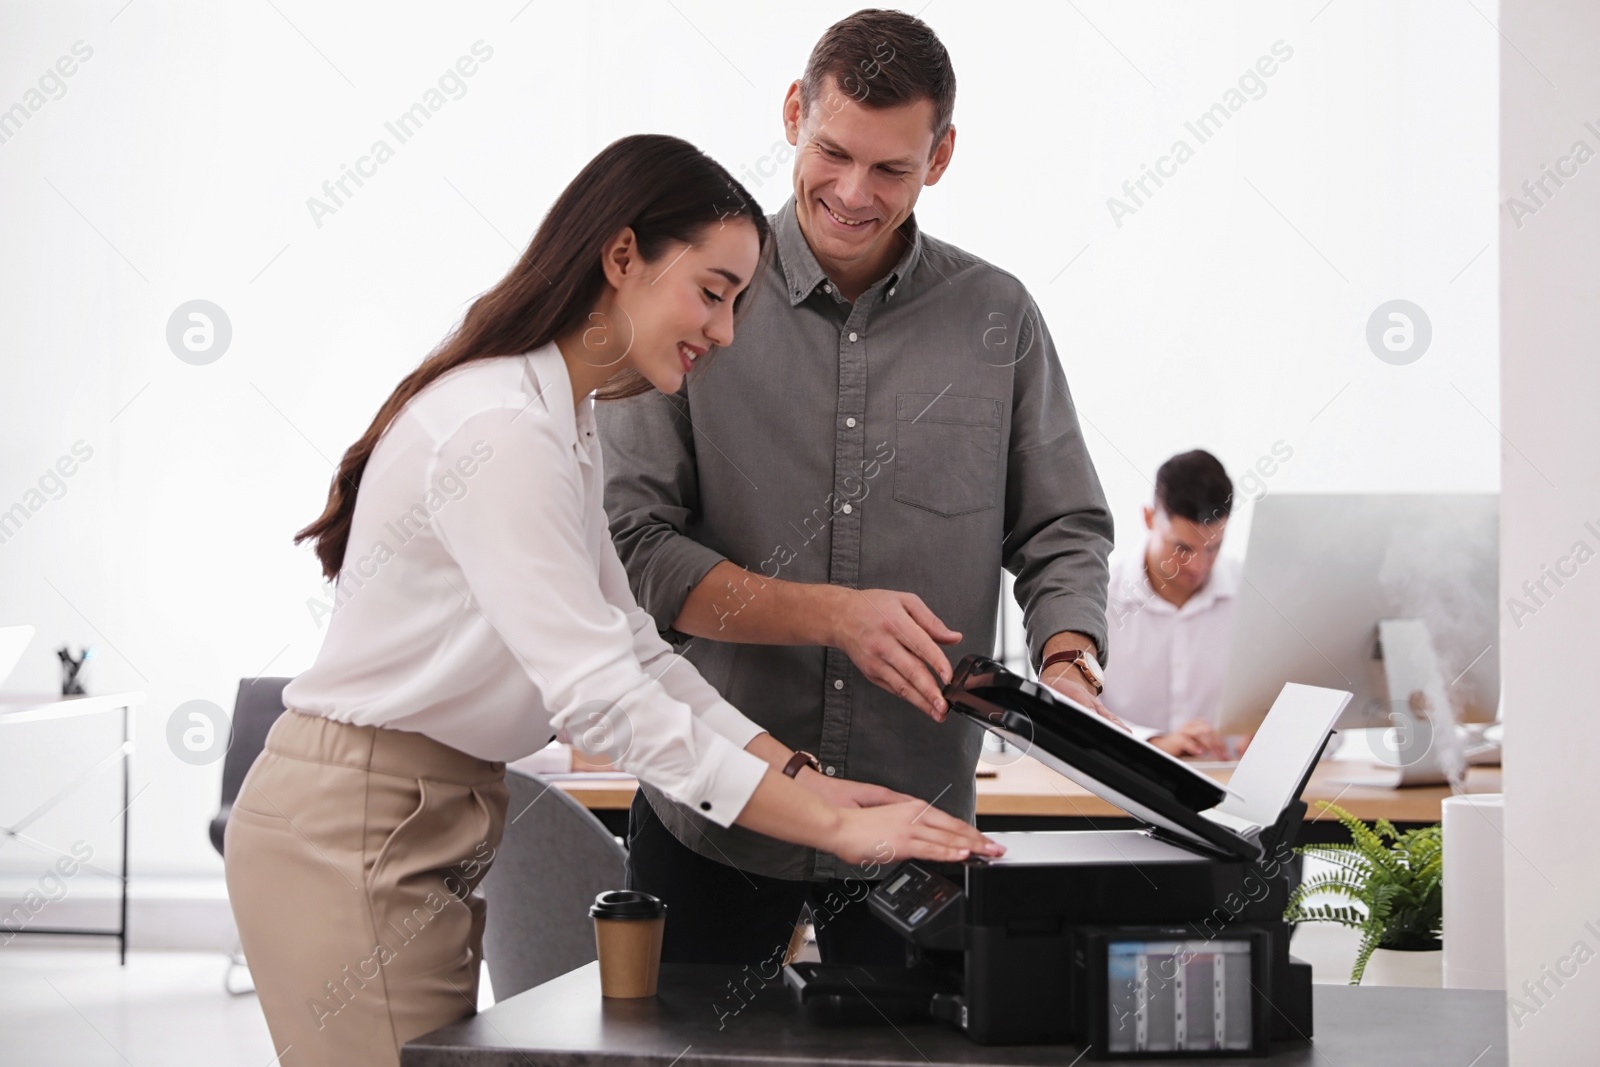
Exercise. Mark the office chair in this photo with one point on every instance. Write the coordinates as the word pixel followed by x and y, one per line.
pixel 257 707
pixel 553 859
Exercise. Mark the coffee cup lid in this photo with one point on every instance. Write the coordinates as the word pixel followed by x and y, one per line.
pixel 627 904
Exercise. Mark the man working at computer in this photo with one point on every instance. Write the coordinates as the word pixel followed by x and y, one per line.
pixel 1170 612
pixel 833 498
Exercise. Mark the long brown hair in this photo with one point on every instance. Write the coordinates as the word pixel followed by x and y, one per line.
pixel 662 187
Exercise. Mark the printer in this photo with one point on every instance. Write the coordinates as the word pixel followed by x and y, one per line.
pixel 1163 940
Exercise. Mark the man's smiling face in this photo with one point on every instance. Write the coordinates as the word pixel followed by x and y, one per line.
pixel 857 174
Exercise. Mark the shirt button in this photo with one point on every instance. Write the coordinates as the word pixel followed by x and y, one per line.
pixel 847 509
pixel 826 288
pixel 852 335
pixel 705 805
pixel 829 771
pixel 850 422
pixel 838 683
pixel 891 290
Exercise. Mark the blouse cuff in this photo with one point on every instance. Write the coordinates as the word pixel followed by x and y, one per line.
pixel 727 780
pixel 731 723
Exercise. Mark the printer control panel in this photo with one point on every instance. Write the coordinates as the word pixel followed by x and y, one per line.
pixel 914 899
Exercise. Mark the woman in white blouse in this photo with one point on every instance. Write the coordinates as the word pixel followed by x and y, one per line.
pixel 480 610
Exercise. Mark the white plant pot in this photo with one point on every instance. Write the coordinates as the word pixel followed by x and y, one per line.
pixel 1393 967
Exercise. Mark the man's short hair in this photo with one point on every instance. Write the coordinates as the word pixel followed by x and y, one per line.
pixel 1193 486
pixel 883 59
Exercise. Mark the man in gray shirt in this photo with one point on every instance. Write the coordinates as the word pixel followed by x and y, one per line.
pixel 840 487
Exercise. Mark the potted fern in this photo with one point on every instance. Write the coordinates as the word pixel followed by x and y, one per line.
pixel 1394 882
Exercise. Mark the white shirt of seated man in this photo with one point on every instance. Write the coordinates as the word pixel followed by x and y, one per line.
pixel 1169 616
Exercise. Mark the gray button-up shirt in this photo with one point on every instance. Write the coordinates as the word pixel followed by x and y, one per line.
pixel 919 440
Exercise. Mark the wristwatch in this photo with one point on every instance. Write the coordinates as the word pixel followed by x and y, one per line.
pixel 801 759
pixel 1084 660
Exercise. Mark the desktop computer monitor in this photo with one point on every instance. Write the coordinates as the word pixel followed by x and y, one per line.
pixel 1322 571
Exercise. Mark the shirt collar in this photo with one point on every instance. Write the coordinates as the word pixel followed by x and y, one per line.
pixel 801 272
pixel 1130 583
pixel 1225 579
pixel 551 385
pixel 1134 585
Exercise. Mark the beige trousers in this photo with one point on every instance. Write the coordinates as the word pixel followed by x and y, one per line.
pixel 353 856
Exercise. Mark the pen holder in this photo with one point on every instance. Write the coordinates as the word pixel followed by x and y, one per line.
pixel 72 671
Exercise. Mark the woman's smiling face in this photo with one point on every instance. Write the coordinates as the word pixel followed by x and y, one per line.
pixel 665 315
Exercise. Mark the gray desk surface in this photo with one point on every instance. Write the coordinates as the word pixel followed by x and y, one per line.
pixel 566 1023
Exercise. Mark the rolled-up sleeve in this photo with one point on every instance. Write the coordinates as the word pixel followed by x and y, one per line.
pixel 519 538
pixel 652 498
pixel 1058 526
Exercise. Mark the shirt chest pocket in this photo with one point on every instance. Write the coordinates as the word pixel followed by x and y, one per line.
pixel 947 452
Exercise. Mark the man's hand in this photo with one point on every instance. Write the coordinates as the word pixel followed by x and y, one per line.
pixel 1068 680
pixel 1195 739
pixel 893 639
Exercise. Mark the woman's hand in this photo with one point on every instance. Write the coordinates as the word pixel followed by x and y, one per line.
pixel 845 793
pixel 908 829
pixel 860 823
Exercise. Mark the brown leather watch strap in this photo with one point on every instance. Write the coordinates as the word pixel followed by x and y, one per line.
pixel 1073 656
pixel 798 760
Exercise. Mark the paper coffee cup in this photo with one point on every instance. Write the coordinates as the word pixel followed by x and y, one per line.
pixel 627 936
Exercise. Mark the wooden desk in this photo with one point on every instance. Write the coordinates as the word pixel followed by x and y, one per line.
pixel 1027 788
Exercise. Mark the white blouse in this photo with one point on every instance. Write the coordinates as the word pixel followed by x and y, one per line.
pixel 482 603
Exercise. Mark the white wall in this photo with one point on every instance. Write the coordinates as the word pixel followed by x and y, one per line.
pixel 1228 312
pixel 1550 101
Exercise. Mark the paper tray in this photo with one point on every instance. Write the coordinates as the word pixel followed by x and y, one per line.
pixel 1074 741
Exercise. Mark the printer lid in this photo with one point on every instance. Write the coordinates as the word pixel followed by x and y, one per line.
pixel 1074 741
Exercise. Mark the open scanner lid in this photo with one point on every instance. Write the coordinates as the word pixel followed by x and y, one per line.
pixel 1137 777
